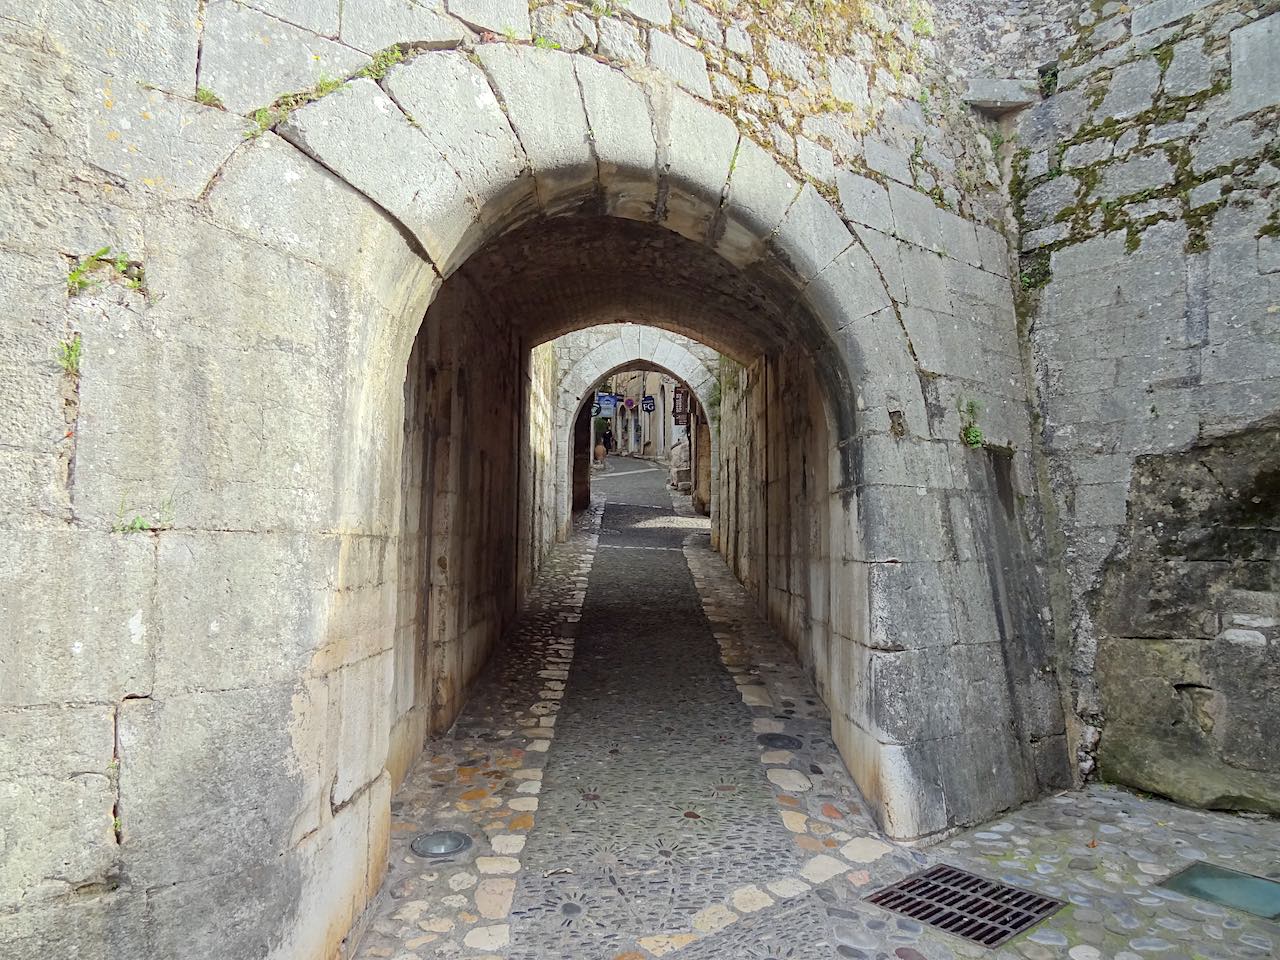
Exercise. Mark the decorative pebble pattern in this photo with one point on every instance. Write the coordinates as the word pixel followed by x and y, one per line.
pixel 677 794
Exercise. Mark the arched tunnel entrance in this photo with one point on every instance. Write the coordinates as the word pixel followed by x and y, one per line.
pixel 644 715
pixel 471 551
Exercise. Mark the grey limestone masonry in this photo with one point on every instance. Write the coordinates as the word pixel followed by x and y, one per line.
pixel 299 301
pixel 1146 189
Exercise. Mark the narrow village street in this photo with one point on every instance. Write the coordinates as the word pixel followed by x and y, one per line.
pixel 645 771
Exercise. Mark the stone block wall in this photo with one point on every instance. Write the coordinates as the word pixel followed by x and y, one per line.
pixel 1146 189
pixel 538 510
pixel 204 590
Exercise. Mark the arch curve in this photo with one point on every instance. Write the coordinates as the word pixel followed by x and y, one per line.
pixel 531 134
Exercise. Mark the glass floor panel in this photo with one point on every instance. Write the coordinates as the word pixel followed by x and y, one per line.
pixel 1229 888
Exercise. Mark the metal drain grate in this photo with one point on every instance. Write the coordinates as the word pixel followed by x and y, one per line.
pixel 966 904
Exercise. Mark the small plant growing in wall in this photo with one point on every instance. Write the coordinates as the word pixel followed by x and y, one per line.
pixel 80 277
pixel 1034 272
pixel 67 354
pixel 1048 79
pixel 207 97
pixel 383 61
pixel 161 520
pixel 922 24
pixel 970 432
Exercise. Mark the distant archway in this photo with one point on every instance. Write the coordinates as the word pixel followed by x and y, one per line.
pixel 630 347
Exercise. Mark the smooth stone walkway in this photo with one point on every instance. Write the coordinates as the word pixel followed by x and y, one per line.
pixel 610 766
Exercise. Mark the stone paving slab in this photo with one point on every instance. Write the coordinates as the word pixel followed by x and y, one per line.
pixel 634 692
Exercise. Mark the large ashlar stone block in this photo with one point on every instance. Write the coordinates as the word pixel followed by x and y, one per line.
pixel 363 723
pixel 56 764
pixel 187 756
pixel 160 143
pixel 849 81
pixel 697 145
pixel 888 160
pixel 1191 69
pixel 145 41
pixel 318 16
pixel 811 235
pixel 249 59
pixel 497 16
pixel 1133 87
pixel 205 640
pixel 1135 175
pixel 884 250
pixel 864 201
pixel 917 693
pixel 887 383
pixel 1255 65
pixel 618 115
pixel 924 275
pixel 106 926
pixel 544 105
pixel 452 104
pixel 279 197
pixel 918 220
pixel 362 135
pixel 373 25
pixel 78 623
pixel 908 606
pixel 849 289
pixel 905 461
pixel 657 12
pixel 340 868
pixel 1161 12
pixel 683 64
pixel 249 899
pixel 202 451
pixel 1045 201
pixel 760 191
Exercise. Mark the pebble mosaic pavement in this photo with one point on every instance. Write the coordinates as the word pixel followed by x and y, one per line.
pixel 609 766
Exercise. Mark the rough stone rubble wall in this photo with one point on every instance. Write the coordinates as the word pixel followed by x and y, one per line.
pixel 1148 193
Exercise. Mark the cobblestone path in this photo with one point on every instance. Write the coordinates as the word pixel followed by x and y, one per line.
pixel 646 772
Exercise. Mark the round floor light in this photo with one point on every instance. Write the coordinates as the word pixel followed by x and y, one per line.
pixel 439 843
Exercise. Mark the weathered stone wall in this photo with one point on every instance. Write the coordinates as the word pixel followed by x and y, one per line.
pixel 1010 41
pixel 1146 191
pixel 203 510
pixel 903 638
pixel 1189 618
pixel 469 582
pixel 539 510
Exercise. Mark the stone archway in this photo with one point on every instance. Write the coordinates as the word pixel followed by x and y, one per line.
pixel 626 345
